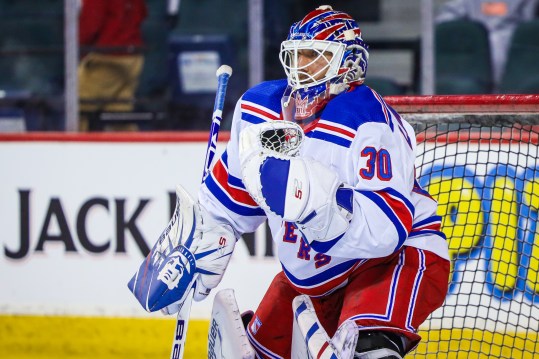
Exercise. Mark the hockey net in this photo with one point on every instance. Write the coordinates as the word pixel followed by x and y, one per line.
pixel 478 157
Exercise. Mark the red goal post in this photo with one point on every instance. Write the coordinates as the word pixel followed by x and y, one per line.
pixel 479 157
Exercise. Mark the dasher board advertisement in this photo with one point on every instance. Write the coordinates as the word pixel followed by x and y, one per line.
pixel 78 218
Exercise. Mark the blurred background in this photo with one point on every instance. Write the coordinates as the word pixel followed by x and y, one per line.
pixel 82 201
pixel 416 47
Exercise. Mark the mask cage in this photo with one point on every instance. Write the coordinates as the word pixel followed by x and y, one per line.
pixel 297 74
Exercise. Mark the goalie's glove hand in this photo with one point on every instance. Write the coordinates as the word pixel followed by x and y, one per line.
pixel 297 189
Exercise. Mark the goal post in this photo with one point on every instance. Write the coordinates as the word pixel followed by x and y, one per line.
pixel 478 156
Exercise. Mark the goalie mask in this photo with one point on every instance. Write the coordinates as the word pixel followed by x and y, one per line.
pixel 323 55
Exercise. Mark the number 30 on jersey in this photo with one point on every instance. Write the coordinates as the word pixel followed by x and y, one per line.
pixel 378 164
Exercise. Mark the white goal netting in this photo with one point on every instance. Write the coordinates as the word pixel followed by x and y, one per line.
pixel 478 156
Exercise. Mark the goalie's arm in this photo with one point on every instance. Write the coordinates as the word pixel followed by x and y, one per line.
pixel 334 218
pixel 223 193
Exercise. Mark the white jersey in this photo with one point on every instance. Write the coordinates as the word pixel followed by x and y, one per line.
pixel 371 149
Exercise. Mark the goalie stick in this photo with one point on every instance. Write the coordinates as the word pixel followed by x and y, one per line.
pixel 223 75
pixel 182 319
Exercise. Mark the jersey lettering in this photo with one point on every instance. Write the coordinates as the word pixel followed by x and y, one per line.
pixel 368 172
pixel 321 259
pixel 304 249
pixel 400 125
pixel 403 129
pixel 384 171
pixel 289 235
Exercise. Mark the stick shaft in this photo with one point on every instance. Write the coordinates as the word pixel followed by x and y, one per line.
pixel 222 83
pixel 180 333
pixel 182 319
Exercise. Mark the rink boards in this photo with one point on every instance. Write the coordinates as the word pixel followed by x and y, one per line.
pixel 77 215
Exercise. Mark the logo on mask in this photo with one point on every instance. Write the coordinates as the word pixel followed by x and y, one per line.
pixel 301 106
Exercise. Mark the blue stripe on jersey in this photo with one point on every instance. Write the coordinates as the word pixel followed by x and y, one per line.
pixel 233 181
pixel 401 126
pixel 417 189
pixel 323 247
pixel 251 118
pixel 223 198
pixel 385 109
pixel 401 231
pixel 236 182
pixel 224 157
pixel 431 219
pixel 400 196
pixel 321 277
pixel 267 94
pixel 354 108
pixel 329 138
pixel 427 231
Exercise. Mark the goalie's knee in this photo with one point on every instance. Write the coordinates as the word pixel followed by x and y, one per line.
pixel 379 345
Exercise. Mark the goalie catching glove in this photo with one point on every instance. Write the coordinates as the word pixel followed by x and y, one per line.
pixel 192 248
pixel 297 189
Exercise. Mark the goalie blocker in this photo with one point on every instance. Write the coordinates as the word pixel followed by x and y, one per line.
pixel 191 248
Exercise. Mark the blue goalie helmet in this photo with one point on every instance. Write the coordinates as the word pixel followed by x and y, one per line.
pixel 323 56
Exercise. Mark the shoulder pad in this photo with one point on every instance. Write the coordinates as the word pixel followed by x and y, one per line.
pixel 266 92
pixel 263 101
pixel 356 107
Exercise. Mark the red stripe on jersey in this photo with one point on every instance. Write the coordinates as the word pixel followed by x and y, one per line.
pixel 259 111
pixel 400 209
pixel 220 173
pixel 384 107
pixel 417 189
pixel 432 227
pixel 336 129
pixel 311 126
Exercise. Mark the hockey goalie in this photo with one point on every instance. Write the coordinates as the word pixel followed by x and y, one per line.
pixel 330 166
